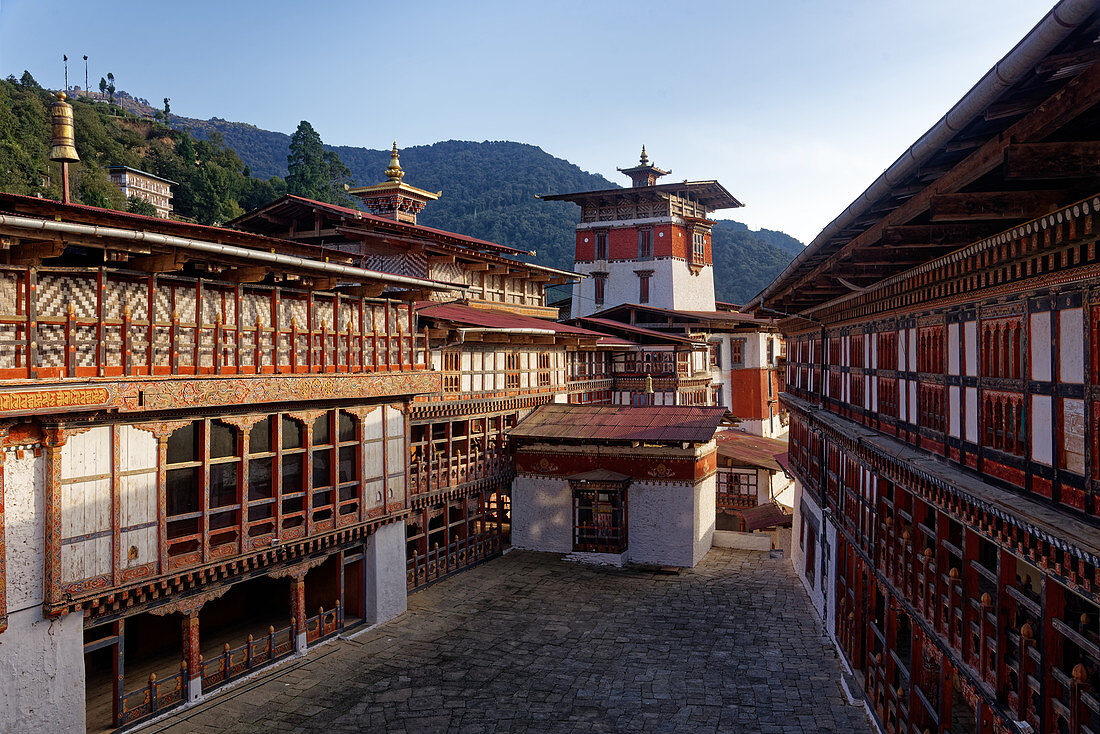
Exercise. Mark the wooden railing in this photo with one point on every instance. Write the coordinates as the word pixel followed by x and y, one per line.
pixel 440 561
pixel 442 471
pixel 71 322
pixel 324 623
pixel 156 696
pixel 233 662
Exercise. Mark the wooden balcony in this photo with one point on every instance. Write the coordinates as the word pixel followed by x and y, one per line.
pixel 71 323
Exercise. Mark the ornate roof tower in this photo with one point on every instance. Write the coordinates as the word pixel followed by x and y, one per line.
pixel 392 198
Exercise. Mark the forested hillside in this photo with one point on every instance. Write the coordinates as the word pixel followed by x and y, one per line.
pixel 224 168
pixel 489 192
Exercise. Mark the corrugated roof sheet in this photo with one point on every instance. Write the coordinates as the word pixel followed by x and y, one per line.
pixel 749 449
pixel 767 515
pixel 652 423
pixel 489 319
pixel 701 315
pixel 660 335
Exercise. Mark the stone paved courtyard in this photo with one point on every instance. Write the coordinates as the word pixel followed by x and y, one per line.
pixel 531 643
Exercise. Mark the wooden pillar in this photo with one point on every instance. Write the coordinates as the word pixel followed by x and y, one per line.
pixel 118 688
pixel 53 441
pixel 340 600
pixel 298 610
pixel 191 654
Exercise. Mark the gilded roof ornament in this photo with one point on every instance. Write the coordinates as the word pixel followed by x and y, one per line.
pixel 394 172
pixel 644 160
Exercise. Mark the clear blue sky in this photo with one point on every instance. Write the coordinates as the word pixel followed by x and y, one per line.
pixel 794 106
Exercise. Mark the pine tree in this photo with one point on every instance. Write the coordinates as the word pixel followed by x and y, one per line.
pixel 306 163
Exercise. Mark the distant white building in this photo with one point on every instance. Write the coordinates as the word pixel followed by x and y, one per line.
pixel 153 189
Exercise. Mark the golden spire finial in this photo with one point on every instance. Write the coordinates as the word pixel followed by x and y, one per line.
pixel 394 172
pixel 644 160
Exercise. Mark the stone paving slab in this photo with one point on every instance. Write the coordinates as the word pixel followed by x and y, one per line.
pixel 531 643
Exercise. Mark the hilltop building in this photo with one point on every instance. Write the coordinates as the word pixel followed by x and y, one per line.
pixel 943 363
pixel 647 244
pixel 145 186
pixel 646 251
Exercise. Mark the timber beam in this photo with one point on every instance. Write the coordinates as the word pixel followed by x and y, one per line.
pixel 994 205
pixel 248 274
pixel 936 235
pixel 373 290
pixel 33 252
pixel 1045 161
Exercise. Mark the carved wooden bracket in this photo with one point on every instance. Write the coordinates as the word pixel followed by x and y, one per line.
pixel 243 422
pixel 296 570
pixel 162 429
pixel 361 412
pixel 306 417
pixel 189 604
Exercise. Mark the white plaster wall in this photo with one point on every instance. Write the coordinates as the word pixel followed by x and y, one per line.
pixel 24 517
pixel 1040 346
pixel 705 500
pixel 1042 432
pixel 542 509
pixel 42 673
pixel 953 410
pixel 1071 345
pixel 671 286
pixel 384 557
pixel 662 520
pixel 41 660
pixel 972 414
pixel 970 348
pixel 827 580
pixel 798 555
pixel 692 292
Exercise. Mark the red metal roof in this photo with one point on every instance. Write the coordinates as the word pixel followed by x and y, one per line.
pixel 750 449
pixel 488 319
pixel 701 315
pixel 767 515
pixel 640 331
pixel 368 217
pixel 652 423
pixel 158 222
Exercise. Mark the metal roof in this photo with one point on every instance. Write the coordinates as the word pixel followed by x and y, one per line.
pixel 710 193
pixel 652 423
pixel 489 319
pixel 748 449
pixel 767 515
pixel 639 331
pixel 290 200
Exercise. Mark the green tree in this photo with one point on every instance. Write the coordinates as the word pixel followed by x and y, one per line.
pixel 306 163
pixel 166 108
pixel 137 205
pixel 110 87
pixel 28 81
pixel 102 86
pixel 313 172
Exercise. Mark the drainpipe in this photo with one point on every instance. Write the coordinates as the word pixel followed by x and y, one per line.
pixel 217 248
